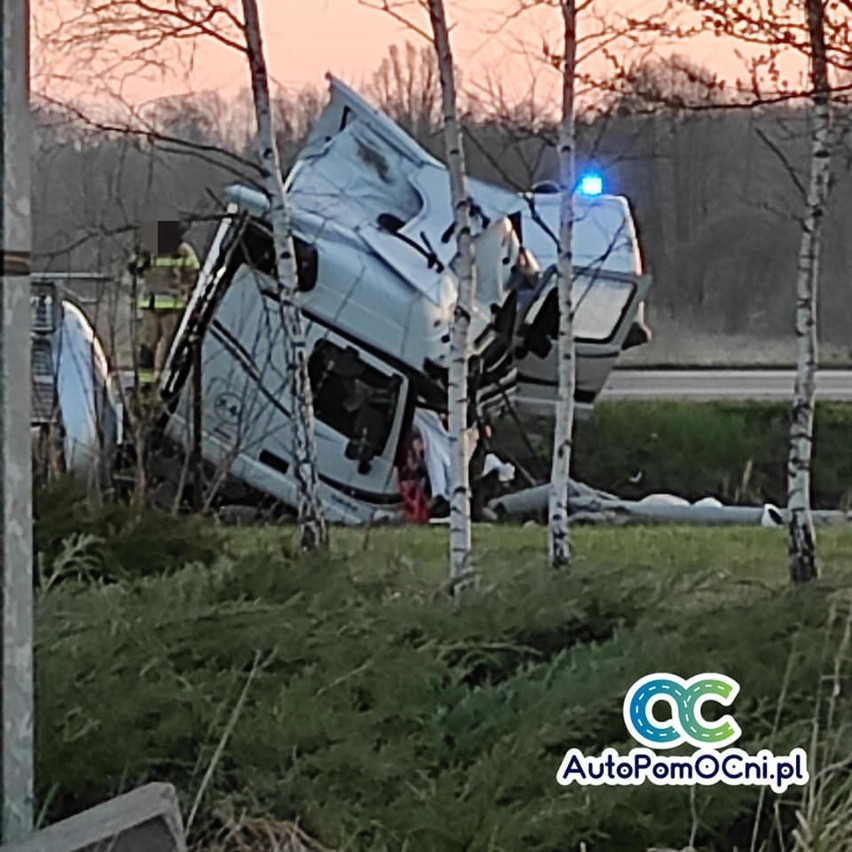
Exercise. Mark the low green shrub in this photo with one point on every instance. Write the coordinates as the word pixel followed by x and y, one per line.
pixel 384 716
pixel 120 540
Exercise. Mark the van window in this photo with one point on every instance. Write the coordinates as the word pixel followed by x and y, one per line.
pixel 600 303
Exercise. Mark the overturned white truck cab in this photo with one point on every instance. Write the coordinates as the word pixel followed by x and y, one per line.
pixel 373 232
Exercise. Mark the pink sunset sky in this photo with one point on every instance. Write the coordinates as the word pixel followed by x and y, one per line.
pixel 304 39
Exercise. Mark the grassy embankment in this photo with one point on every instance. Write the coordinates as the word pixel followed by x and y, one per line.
pixel 347 692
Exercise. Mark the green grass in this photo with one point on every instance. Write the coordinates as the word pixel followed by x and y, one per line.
pixel 385 716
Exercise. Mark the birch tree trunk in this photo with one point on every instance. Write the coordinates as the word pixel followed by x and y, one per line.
pixel 311 517
pixel 457 400
pixel 802 541
pixel 559 541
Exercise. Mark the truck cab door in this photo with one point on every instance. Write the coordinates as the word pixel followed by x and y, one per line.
pixel 360 403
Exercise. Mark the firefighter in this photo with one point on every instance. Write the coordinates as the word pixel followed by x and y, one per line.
pixel 169 269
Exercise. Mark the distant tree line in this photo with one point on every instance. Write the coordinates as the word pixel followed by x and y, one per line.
pixel 716 190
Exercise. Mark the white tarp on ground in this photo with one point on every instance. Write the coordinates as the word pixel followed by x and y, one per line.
pixel 505 471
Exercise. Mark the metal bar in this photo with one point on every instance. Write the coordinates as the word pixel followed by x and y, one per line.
pixel 15 435
pixel 71 276
pixel 526 439
pixel 85 301
pixel 197 402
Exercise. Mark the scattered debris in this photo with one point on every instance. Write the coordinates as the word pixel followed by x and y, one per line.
pixel 587 505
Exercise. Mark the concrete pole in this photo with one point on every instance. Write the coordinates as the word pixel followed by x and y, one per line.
pixel 15 405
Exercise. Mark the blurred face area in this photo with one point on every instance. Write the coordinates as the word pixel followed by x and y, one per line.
pixel 168 237
pixel 160 238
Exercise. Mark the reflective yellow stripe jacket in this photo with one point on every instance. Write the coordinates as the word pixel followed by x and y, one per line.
pixel 170 280
pixel 160 302
pixel 189 262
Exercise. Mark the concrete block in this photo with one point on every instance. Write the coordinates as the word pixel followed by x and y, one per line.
pixel 145 820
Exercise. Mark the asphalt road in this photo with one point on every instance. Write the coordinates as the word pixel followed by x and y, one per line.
pixel 834 385
pixel 772 385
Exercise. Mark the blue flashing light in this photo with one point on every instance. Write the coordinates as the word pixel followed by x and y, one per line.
pixel 591 184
